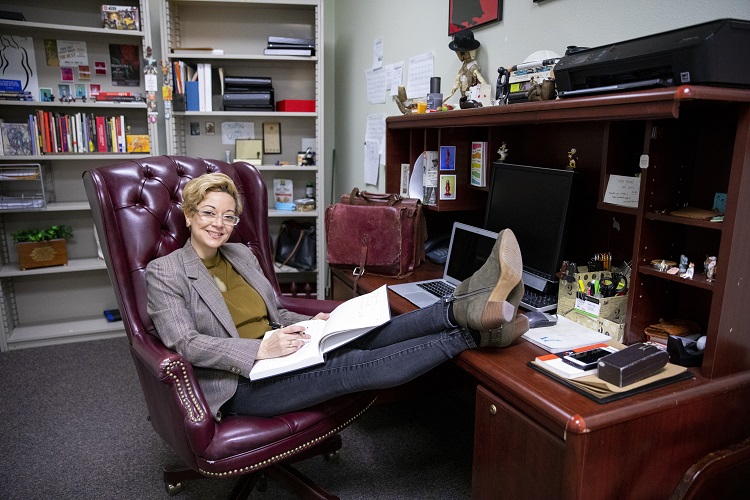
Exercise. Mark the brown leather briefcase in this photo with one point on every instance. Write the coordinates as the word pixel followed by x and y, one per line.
pixel 376 233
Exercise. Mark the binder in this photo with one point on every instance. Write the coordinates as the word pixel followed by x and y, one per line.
pixel 192 96
pixel 247 81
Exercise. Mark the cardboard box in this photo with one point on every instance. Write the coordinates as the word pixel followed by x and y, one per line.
pixel 603 314
pixel 296 105
pixel 632 364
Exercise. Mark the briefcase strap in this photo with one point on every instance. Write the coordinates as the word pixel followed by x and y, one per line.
pixel 291 254
pixel 360 269
pixel 389 199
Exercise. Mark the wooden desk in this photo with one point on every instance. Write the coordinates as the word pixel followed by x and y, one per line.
pixel 535 438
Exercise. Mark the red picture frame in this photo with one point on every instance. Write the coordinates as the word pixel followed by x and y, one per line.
pixel 469 14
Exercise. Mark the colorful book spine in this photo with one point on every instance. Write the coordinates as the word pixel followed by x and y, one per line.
pixel 478 165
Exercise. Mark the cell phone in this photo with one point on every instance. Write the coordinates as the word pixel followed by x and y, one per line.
pixel 586 360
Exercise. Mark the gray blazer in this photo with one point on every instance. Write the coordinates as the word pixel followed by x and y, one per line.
pixel 191 317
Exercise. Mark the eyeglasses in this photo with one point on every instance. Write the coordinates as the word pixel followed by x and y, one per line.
pixel 209 216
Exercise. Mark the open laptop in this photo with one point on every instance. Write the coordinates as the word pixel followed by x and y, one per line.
pixel 468 250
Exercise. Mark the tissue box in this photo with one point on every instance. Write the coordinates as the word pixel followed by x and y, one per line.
pixel 632 364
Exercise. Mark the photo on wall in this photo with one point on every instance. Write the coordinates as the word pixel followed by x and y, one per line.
pixel 469 14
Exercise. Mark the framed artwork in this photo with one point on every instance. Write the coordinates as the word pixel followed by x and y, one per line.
pixel 465 14
pixel 447 157
pixel 447 187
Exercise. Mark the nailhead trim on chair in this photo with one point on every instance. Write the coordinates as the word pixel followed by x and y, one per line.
pixel 282 456
pixel 195 413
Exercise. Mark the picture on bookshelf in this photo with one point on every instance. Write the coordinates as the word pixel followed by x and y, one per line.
pixel 94 89
pixel 447 157
pixel 119 17
pixel 63 90
pixel 19 64
pixel 125 62
pixel 100 68
pixel 50 53
pixel 448 187
pixel 80 89
pixel 84 72
pixel 66 74
pixel 45 95
pixel 195 128
pixel 16 139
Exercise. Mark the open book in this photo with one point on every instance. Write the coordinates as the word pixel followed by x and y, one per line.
pixel 349 320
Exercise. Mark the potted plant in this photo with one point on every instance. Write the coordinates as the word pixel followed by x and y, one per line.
pixel 42 247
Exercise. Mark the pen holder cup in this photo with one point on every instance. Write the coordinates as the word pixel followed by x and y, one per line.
pixel 603 314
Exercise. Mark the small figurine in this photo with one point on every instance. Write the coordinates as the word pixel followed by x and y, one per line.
pixel 710 266
pixel 503 152
pixel 683 263
pixel 572 158
pixel 689 273
pixel 465 46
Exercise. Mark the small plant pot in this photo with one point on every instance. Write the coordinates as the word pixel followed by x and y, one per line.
pixel 42 254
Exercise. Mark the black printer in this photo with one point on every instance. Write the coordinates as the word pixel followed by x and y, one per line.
pixel 712 53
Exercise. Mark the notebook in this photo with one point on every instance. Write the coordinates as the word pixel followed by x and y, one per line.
pixel 468 249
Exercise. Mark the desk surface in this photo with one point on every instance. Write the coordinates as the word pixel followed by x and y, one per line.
pixel 556 407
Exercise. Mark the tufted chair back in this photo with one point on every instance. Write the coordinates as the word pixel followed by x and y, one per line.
pixel 136 206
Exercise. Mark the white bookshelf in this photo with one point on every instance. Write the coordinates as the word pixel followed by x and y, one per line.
pixel 240 29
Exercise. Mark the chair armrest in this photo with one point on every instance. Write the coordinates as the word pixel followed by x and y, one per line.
pixel 310 307
pixel 167 376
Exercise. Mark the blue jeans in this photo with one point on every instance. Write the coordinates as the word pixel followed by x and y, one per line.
pixel 407 346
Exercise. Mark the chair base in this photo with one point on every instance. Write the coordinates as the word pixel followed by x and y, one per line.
pixel 283 473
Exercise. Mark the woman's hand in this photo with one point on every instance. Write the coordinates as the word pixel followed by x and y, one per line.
pixel 323 316
pixel 283 342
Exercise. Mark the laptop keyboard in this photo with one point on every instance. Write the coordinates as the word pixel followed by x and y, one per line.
pixel 437 288
pixel 538 301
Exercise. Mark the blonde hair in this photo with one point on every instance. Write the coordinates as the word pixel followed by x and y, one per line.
pixel 195 190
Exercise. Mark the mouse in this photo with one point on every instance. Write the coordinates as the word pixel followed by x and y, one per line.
pixel 538 319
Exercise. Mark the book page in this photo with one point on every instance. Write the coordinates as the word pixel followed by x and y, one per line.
pixel 369 310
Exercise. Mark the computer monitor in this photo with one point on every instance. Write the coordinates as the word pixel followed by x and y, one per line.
pixel 534 203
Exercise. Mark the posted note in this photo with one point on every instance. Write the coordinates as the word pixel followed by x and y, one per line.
pixel 623 191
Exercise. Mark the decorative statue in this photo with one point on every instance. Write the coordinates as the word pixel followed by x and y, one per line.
pixel 503 152
pixel 710 266
pixel 689 273
pixel 683 263
pixel 469 74
pixel 572 158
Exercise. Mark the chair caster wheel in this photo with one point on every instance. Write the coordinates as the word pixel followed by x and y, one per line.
pixel 332 456
pixel 173 489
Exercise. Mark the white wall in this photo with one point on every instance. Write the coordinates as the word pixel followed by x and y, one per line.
pixel 412 27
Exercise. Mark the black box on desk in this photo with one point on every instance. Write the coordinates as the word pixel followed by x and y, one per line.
pixel 632 364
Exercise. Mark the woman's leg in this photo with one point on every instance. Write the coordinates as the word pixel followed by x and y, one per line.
pixel 391 356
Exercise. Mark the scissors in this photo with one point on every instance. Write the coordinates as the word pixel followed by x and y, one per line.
pixel 616 284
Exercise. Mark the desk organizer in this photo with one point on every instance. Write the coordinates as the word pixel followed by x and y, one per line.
pixel 24 186
pixel 603 314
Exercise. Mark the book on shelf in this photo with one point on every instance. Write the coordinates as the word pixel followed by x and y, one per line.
pixel 192 96
pixel 565 335
pixel 200 50
pixel 478 165
pixel 555 364
pixel 247 82
pixel 290 46
pixel 288 52
pixel 120 17
pixel 289 40
pixel 348 321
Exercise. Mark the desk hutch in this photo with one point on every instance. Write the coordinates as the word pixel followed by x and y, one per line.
pixel 535 438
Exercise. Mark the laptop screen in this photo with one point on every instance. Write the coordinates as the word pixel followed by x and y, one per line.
pixel 469 249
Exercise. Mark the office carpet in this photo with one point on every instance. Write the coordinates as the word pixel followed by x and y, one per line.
pixel 73 426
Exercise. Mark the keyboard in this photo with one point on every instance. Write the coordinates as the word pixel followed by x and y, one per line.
pixel 437 288
pixel 538 301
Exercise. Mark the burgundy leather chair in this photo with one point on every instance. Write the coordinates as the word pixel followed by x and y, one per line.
pixel 136 207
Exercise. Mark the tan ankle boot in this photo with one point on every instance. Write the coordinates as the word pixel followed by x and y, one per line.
pixel 506 334
pixel 483 301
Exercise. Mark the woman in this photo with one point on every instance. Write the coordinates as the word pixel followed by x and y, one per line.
pixel 211 303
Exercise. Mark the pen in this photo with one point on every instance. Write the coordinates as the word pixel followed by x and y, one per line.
pixel 274 325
